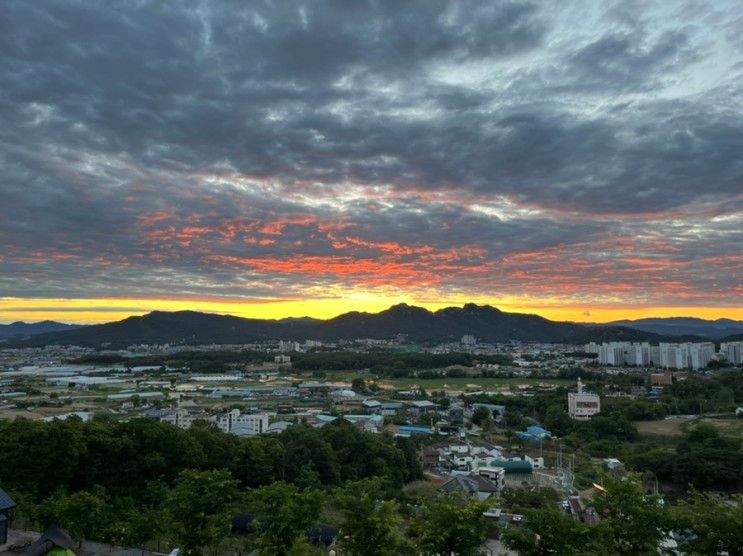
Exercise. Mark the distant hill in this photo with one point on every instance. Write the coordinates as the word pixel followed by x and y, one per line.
pixel 19 328
pixel 681 326
pixel 484 322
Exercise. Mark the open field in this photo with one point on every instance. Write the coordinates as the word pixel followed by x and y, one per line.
pixel 675 427
pixel 471 383
pixel 731 427
pixel 464 383
pixel 665 427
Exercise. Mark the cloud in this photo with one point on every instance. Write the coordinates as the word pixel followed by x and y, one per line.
pixel 248 150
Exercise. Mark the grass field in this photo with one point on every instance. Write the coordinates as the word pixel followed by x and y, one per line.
pixel 730 427
pixel 676 427
pixel 469 383
pixel 466 383
pixel 670 427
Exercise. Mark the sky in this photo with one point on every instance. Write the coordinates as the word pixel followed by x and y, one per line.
pixel 582 160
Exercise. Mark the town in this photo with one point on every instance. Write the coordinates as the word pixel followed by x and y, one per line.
pixel 488 421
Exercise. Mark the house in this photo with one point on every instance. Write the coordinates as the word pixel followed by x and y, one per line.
pixel 430 457
pixel 446 428
pixel 662 379
pixel 372 406
pixel 6 504
pixel 455 414
pixel 278 427
pixel 342 395
pixel 390 408
pixel 413 430
pixel 496 411
pixel 497 475
pixel 465 457
pixel 180 418
pixel 423 407
pixel 314 389
pixel 373 424
pixel 473 485
pixel 534 434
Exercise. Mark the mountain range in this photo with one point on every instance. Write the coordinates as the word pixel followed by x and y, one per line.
pixel 486 323
pixel 418 324
pixel 680 326
pixel 20 328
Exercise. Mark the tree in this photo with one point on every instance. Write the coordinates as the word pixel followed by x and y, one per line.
pixel 200 508
pixel 81 514
pixel 717 525
pixel 520 499
pixel 358 385
pixel 548 531
pixel 558 421
pixel 141 526
pixel 370 524
pixel 283 515
pixel 631 522
pixel 707 459
pixel 480 415
pixel 450 525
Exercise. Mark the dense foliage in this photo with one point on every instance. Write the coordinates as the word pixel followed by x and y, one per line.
pixel 127 458
pixel 387 363
pixel 703 458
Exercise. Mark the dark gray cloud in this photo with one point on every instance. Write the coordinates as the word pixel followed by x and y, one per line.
pixel 192 144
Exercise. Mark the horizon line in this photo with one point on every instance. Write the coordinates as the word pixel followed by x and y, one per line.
pixel 78 312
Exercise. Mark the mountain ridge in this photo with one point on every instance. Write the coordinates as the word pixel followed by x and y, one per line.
pixel 674 326
pixel 21 328
pixel 485 322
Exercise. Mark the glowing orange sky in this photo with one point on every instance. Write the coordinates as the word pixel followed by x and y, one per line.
pixel 87 311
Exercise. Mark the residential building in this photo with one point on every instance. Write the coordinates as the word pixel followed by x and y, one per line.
pixel 422 407
pixel 661 379
pixel 473 485
pixel 732 351
pixel 244 423
pixel 700 354
pixel 372 406
pixel 642 354
pixel 341 395
pixel 496 411
pixel 686 355
pixel 583 405
pixel 455 414
pixel 288 346
pixel 181 418
pixel 390 408
pixel 592 347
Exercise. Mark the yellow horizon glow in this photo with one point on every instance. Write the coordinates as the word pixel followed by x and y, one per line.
pixel 93 311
